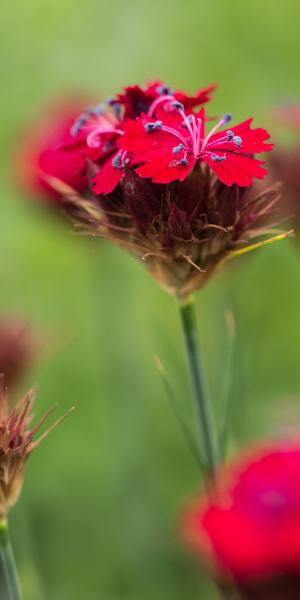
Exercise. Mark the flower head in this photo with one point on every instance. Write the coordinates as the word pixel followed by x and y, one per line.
pixel 99 129
pixel 17 441
pixel 249 527
pixel 177 197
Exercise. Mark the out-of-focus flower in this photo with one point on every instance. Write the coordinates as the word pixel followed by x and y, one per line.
pixel 17 441
pixel 248 528
pixel 157 185
pixel 48 149
pixel 18 348
pixel 285 162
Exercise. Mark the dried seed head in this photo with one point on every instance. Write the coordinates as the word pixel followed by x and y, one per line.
pixel 17 441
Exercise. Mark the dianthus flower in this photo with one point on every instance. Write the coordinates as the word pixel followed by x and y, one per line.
pixel 179 199
pixel 100 128
pixel 60 143
pixel 248 528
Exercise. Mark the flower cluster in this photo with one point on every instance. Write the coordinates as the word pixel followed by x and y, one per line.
pixel 142 169
pixel 248 528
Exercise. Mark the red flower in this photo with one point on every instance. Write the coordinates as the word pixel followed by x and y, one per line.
pixel 169 143
pixel 48 149
pixel 101 128
pixel 250 525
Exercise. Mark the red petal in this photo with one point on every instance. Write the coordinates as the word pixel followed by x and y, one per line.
pixel 162 168
pixel 253 140
pixel 236 168
pixel 138 141
pixel 107 178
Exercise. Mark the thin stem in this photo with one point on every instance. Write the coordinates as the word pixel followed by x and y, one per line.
pixel 202 403
pixel 9 565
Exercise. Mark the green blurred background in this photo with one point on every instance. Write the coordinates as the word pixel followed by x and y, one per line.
pixel 99 510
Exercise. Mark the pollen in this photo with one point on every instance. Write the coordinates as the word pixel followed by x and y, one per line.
pixel 117 162
pixel 217 158
pixel 178 148
pixel 149 127
pixel 237 140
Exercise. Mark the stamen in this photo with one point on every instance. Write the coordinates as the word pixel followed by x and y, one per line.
pixel 226 119
pixel 222 122
pixel 79 123
pixel 163 90
pixel 188 119
pixel 230 135
pixel 183 162
pixel 177 105
pixel 107 146
pixel 158 101
pixel 217 158
pixel 178 148
pixel 237 140
pixel 97 110
pixel 117 162
pixel 93 138
pixel 149 127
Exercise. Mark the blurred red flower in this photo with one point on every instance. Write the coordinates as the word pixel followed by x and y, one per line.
pixel 285 163
pixel 48 150
pixel 18 349
pixel 249 526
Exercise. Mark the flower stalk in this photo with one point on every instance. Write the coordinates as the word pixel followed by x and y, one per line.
pixel 9 565
pixel 202 404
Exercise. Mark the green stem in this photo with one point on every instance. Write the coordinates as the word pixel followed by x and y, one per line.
pixel 202 404
pixel 9 565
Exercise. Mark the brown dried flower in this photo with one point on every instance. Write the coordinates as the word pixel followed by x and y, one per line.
pixel 16 444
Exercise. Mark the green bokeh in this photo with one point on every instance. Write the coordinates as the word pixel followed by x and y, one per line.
pixel 102 495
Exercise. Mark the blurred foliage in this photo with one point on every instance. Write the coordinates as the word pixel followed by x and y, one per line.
pixel 100 505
